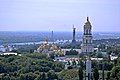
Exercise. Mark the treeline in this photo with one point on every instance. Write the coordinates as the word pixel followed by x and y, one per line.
pixel 29 67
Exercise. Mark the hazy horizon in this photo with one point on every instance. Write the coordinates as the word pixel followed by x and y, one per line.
pixel 23 37
pixel 64 31
pixel 70 31
pixel 59 15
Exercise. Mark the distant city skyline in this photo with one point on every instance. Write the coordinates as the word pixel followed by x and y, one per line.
pixel 59 15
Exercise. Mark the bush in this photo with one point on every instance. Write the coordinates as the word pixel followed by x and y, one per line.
pixel 71 52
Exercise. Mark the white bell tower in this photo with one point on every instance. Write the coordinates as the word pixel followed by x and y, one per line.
pixel 87 46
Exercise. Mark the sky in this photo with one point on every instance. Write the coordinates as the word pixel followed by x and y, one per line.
pixel 59 15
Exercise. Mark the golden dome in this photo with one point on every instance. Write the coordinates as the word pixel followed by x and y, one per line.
pixel 47 48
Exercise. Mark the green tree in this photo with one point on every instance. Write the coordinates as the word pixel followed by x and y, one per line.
pixel 95 74
pixel 74 62
pixel 108 75
pixel 28 66
pixel 80 73
pixel 6 78
pixel 115 72
pixel 51 75
pixel 71 74
pixel 43 76
pixel 28 76
pixel 80 63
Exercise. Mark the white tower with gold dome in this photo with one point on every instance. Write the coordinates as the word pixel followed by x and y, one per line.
pixel 87 46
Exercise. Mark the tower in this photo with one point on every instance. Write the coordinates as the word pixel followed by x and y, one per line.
pixel 52 37
pixel 73 40
pixel 87 46
pixel 73 34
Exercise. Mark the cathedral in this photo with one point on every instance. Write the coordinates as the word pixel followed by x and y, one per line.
pixel 47 48
pixel 87 46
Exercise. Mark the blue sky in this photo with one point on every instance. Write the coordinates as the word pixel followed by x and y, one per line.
pixel 59 15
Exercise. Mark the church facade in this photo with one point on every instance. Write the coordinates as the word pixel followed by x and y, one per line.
pixel 87 46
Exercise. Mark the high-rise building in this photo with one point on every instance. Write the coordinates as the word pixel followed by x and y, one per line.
pixel 87 46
